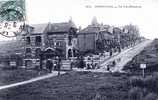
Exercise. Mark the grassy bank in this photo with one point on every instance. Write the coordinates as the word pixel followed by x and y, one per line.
pixel 87 86
pixel 72 86
pixel 148 56
pixel 17 75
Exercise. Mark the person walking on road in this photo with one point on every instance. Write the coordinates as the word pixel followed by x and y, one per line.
pixel 59 65
pixel 49 65
pixel 108 68
pixel 114 63
pixel 71 65
pixel 110 52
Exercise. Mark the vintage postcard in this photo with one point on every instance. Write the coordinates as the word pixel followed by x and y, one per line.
pixel 78 50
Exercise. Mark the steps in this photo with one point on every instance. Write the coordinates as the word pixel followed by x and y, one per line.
pixel 66 65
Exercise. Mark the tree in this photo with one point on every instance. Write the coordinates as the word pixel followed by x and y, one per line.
pixel 132 33
pixel 100 45
pixel 135 93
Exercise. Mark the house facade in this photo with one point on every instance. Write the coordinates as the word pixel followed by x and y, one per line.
pixel 94 37
pixel 47 41
pixel 34 44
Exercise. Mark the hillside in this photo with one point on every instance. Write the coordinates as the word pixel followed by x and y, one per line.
pixel 148 56
pixel 11 47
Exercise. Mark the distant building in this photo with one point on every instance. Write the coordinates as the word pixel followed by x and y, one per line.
pixel 93 36
pixel 117 32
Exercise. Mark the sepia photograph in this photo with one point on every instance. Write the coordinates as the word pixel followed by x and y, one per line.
pixel 78 50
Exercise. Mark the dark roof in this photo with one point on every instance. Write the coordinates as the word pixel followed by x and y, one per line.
pixel 61 27
pixel 91 29
pixel 39 28
pixel 105 35
pixel 108 36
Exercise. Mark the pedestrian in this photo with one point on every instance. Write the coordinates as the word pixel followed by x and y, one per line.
pixel 72 64
pixel 49 65
pixel 38 67
pixel 119 48
pixel 114 63
pixel 108 68
pixel 88 66
pixel 110 53
pixel 55 65
pixel 92 64
pixel 119 59
pixel 95 65
pixel 59 65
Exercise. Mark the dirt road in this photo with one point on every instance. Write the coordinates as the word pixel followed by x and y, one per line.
pixel 125 56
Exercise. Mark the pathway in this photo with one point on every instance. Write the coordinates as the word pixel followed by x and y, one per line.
pixel 54 73
pixel 124 57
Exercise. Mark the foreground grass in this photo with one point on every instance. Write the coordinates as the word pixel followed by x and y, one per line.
pixel 72 86
pixel 17 75
pixel 87 86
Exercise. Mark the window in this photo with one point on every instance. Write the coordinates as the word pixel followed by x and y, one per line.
pixel 28 40
pixel 28 50
pixel 58 43
pixel 38 40
pixel 28 63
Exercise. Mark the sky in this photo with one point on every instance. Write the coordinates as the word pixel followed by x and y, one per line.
pixel 143 15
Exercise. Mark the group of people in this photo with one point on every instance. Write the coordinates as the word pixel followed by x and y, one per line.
pixel 111 65
pixel 53 65
pixel 91 65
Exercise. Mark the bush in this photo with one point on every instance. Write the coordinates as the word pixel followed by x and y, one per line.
pixel 155 74
pixel 80 63
pixel 151 96
pixel 135 93
pixel 99 97
pixel 117 74
pixel 136 81
pixel 151 82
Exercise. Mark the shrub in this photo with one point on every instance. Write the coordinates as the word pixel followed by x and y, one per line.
pixel 117 74
pixel 99 97
pixel 135 93
pixel 80 63
pixel 155 74
pixel 136 81
pixel 151 96
pixel 151 82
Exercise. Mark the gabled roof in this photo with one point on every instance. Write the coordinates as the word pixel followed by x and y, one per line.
pixel 61 27
pixel 117 30
pixel 105 35
pixel 39 28
pixel 91 29
pixel 54 27
pixel 108 36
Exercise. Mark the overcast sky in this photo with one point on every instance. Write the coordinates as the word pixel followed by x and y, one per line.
pixel 43 11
